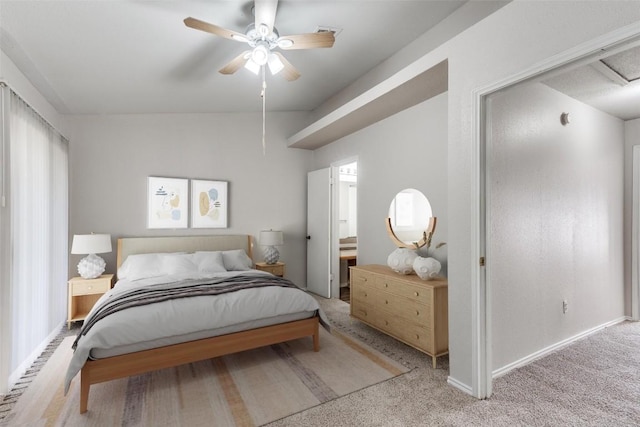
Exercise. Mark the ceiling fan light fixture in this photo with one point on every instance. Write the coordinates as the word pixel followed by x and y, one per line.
pixel 252 66
pixel 260 54
pixel 275 64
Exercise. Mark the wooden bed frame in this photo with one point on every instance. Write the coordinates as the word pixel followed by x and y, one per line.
pixel 110 368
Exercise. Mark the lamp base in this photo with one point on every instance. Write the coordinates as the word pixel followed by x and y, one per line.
pixel 91 266
pixel 271 254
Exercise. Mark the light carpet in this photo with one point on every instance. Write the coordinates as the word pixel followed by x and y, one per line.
pixel 593 382
pixel 244 389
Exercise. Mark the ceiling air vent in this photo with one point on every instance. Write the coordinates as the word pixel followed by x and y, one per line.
pixel 333 30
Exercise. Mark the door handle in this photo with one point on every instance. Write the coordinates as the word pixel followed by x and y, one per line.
pixel 308 237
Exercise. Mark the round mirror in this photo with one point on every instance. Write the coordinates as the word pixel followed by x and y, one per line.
pixel 410 223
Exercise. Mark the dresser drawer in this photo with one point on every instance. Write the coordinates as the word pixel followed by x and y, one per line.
pixel 403 288
pixel 409 332
pixel 94 287
pixel 415 311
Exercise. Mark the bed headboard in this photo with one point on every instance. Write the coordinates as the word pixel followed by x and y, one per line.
pixel 141 245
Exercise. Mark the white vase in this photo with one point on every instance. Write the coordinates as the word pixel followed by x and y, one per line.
pixel 426 268
pixel 401 260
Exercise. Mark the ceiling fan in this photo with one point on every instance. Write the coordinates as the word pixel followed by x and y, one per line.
pixel 262 38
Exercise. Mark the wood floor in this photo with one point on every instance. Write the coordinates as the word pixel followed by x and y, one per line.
pixel 345 294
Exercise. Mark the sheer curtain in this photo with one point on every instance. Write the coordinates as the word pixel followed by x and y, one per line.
pixel 37 200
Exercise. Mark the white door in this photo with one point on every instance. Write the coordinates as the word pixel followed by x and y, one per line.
pixel 319 232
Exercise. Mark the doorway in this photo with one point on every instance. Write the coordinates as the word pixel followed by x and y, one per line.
pixel 494 305
pixel 344 236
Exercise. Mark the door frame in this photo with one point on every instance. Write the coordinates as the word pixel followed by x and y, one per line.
pixel 335 223
pixel 635 234
pixel 482 380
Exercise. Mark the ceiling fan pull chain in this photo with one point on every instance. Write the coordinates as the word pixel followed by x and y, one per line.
pixel 263 94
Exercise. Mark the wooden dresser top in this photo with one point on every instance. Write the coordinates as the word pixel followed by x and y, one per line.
pixel 387 271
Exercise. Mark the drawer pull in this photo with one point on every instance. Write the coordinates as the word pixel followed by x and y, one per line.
pixel 89 287
pixel 417 313
pixel 417 336
pixel 365 294
pixel 416 294
pixel 364 279
pixel 386 285
pixel 386 323
pixel 386 302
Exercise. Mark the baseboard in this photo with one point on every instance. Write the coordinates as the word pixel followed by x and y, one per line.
pixel 460 386
pixel 26 364
pixel 557 346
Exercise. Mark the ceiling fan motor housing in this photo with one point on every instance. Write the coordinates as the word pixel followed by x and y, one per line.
pixel 255 37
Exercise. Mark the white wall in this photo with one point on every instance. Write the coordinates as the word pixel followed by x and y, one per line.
pixel 406 150
pixel 555 196
pixel 513 39
pixel 631 138
pixel 112 156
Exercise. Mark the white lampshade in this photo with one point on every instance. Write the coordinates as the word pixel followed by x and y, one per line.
pixel 91 244
pixel 271 238
pixel 92 265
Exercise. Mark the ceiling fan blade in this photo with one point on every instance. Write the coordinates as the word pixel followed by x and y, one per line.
pixel 214 29
pixel 307 41
pixel 236 63
pixel 289 72
pixel 265 13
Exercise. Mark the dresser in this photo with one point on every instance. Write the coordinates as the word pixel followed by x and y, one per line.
pixel 410 309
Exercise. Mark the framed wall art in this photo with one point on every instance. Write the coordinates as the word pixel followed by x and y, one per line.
pixel 208 204
pixel 167 202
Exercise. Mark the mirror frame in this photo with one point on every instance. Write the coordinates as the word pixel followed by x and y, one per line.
pixel 426 235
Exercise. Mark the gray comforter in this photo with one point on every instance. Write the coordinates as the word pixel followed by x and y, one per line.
pixel 135 316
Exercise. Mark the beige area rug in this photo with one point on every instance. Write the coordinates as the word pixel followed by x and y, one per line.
pixel 244 389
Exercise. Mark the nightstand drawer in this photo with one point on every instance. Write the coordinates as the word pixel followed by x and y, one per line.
pixel 96 286
pixel 276 269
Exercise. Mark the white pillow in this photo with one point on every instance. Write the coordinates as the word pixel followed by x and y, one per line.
pixel 209 261
pixel 178 264
pixel 236 260
pixel 140 266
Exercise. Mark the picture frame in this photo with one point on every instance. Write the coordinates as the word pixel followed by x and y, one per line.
pixel 167 202
pixel 209 205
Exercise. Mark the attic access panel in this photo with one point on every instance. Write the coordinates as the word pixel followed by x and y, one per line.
pixel 626 63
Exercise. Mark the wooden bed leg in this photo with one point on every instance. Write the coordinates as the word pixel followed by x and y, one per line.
pixel 316 338
pixel 84 391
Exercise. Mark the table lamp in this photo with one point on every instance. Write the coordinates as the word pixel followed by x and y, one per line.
pixel 270 239
pixel 92 265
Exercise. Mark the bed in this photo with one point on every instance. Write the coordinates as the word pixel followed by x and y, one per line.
pixel 152 319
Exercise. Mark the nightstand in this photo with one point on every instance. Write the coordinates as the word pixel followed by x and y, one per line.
pixel 276 269
pixel 83 294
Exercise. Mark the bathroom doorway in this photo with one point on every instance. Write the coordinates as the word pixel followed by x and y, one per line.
pixel 347 224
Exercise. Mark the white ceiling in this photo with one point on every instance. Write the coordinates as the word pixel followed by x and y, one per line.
pixel 597 85
pixel 116 57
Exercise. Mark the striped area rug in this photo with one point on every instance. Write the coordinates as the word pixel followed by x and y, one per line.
pixel 250 388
